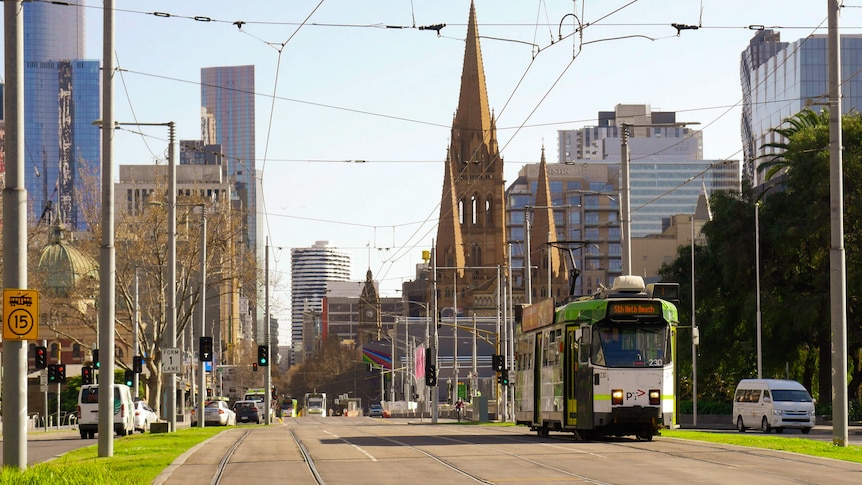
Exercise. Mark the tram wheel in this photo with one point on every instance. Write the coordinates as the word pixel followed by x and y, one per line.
pixel 542 431
pixel 645 436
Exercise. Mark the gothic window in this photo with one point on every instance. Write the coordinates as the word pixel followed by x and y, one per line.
pixel 489 213
pixel 477 256
pixel 474 209
pixel 461 212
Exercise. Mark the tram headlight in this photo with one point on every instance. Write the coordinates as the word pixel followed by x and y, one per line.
pixel 654 397
pixel 616 396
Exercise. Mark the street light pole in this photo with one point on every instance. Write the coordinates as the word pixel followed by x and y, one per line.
pixel 202 386
pixel 171 310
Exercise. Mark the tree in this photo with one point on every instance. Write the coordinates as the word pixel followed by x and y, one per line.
pixel 794 249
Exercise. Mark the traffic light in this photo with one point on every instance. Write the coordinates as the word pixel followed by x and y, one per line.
pixel 86 375
pixel 504 377
pixel 130 377
pixel 499 362
pixel 254 367
pixel 41 357
pixel 262 355
pixel 95 358
pixel 431 375
pixel 137 364
pixel 56 373
pixel 206 349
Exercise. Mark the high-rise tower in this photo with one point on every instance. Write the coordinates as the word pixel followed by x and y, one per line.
pixel 61 99
pixel 471 243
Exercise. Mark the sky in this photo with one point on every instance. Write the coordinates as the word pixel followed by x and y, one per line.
pixel 355 100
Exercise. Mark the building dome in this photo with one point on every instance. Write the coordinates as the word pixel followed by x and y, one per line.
pixel 63 265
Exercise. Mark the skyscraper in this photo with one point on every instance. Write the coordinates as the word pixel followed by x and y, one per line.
pixel 310 271
pixel 781 79
pixel 61 99
pixel 227 112
pixel 227 96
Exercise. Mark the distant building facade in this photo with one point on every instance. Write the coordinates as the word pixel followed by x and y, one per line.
pixel 667 172
pixel 141 185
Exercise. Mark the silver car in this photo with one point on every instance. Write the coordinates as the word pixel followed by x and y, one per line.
pixel 216 412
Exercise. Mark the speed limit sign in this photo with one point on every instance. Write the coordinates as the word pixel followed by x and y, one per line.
pixel 20 314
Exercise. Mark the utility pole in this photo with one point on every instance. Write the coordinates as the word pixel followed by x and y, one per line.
pixel 837 268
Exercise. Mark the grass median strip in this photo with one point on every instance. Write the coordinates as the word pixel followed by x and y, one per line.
pixel 804 446
pixel 137 459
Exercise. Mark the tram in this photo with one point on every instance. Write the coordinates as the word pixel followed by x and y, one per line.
pixel 601 365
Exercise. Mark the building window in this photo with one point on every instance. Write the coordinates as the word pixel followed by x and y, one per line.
pixel 76 351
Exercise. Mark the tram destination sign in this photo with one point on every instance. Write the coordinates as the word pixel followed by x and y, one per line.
pixel 634 308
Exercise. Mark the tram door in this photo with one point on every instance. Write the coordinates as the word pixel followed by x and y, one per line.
pixel 584 382
pixel 537 379
pixel 570 381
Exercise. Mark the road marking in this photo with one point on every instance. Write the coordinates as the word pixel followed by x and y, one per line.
pixel 369 455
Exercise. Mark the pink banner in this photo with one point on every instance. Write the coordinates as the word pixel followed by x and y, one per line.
pixel 419 360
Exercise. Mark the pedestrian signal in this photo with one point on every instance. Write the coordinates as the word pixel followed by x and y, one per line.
pixel 130 377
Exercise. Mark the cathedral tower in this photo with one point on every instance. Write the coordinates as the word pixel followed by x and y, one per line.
pixel 471 237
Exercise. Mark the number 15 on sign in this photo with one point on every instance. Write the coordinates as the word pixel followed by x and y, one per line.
pixel 172 361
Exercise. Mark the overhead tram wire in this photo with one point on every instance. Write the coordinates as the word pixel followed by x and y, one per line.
pixel 272 115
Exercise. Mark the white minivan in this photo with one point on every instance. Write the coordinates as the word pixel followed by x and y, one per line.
pixel 88 410
pixel 772 404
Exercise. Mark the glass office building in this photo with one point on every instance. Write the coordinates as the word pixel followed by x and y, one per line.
pixel 62 99
pixel 227 95
pixel 781 79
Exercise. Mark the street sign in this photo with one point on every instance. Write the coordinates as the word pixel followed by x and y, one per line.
pixel 20 314
pixel 43 380
pixel 172 362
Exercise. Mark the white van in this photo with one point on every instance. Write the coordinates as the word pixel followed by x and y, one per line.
pixel 88 410
pixel 772 404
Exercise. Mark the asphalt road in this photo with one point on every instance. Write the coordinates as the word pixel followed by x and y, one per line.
pixel 394 451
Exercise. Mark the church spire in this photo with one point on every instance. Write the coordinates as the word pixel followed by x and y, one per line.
pixel 473 113
pixel 471 235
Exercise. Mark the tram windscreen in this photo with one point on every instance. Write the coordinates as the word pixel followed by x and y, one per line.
pixel 630 345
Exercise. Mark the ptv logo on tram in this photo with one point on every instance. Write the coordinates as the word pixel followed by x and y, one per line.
pixel 635 395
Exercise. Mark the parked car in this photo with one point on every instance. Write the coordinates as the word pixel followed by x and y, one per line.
pixel 248 411
pixel 375 411
pixel 144 416
pixel 216 412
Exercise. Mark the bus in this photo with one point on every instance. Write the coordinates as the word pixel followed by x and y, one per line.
pixel 315 404
pixel 601 365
